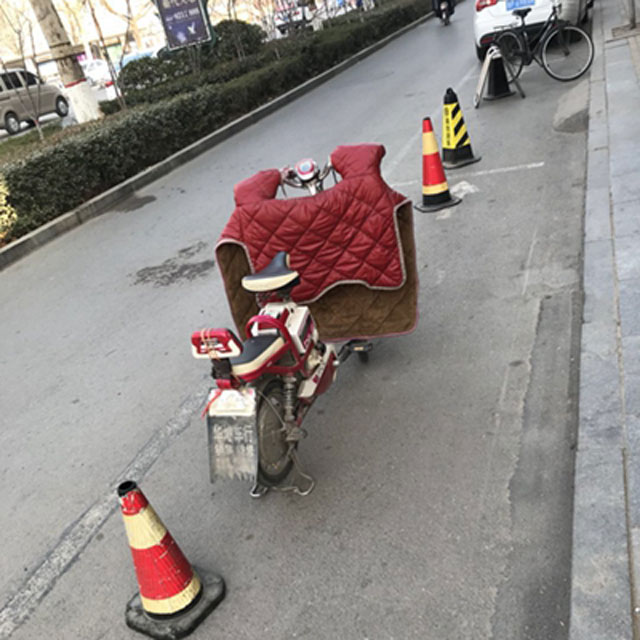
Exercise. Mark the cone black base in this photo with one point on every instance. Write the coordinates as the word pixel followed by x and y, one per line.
pixel 429 208
pixel 181 624
pixel 502 95
pixel 460 163
pixel 498 82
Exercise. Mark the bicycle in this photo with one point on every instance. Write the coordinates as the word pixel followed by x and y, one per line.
pixel 563 50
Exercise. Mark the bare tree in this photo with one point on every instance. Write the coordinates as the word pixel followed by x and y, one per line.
pixel 22 28
pixel 131 15
pixel 71 74
pixel 10 17
pixel 73 10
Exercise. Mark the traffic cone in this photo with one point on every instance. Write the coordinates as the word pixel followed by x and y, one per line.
pixel 173 598
pixel 498 83
pixel 435 190
pixel 456 145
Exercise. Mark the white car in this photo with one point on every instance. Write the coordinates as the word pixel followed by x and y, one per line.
pixel 491 16
pixel 96 72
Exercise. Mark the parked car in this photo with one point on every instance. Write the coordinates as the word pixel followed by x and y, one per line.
pixel 96 72
pixel 491 16
pixel 17 88
pixel 291 14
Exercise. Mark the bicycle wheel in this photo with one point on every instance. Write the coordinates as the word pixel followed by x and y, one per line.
pixel 567 53
pixel 512 51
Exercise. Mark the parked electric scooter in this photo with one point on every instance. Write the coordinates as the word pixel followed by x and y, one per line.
pixel 266 384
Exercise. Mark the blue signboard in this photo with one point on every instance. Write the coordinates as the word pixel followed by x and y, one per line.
pixel 185 22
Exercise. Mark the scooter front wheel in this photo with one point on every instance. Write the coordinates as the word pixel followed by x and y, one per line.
pixel 274 460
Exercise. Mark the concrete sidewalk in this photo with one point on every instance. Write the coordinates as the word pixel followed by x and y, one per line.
pixel 605 598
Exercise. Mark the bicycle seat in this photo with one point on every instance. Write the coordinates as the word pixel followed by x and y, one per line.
pixel 276 275
pixel 521 13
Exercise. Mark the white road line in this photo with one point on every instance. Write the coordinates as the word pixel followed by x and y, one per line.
pixel 518 167
pixel 527 266
pixel 80 533
pixel 486 172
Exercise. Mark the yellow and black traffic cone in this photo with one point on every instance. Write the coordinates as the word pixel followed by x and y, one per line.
pixel 456 145
pixel 435 190
pixel 173 597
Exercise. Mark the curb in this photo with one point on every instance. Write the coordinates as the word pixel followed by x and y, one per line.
pixel 102 203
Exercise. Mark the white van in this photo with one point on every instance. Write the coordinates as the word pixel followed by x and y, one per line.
pixel 22 93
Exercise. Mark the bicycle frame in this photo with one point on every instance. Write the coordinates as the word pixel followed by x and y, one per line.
pixel 533 46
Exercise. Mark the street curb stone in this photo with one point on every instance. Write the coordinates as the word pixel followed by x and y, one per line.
pixel 606 530
pixel 103 202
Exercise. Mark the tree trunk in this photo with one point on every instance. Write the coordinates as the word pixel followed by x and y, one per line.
pixel 82 97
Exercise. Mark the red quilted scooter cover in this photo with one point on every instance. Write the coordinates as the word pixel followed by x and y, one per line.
pixel 347 234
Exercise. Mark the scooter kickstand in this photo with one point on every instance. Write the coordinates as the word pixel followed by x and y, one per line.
pixel 258 490
pixel 298 467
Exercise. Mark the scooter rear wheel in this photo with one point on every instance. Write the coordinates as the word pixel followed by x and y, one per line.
pixel 274 461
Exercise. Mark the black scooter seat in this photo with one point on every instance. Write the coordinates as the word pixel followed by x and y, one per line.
pixel 276 275
pixel 256 352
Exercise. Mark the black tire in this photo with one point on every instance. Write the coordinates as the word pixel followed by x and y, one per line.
pixel 567 53
pixel 274 462
pixel 62 107
pixel 512 51
pixel 11 123
pixel 481 52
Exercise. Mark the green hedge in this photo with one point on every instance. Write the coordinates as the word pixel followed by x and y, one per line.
pixel 59 177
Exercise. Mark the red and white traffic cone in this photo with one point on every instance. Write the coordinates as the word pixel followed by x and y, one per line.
pixel 435 190
pixel 173 598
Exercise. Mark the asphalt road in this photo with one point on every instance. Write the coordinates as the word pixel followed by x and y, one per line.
pixel 444 465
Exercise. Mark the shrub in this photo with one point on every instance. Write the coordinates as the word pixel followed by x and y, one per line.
pixel 237 39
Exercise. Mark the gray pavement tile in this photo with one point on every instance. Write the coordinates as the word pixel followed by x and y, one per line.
pixel 635 569
pixel 625 160
pixel 599 307
pixel 601 430
pixel 597 66
pixel 630 307
pixel 597 222
pixel 622 144
pixel 628 258
pixel 631 360
pixel 626 218
pixel 600 593
pixel 598 125
pixel 598 169
pixel 625 188
pixel 617 51
pixel 600 400
pixel 633 469
pixel 599 338
pixel 621 97
pixel 631 354
pixel 598 282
